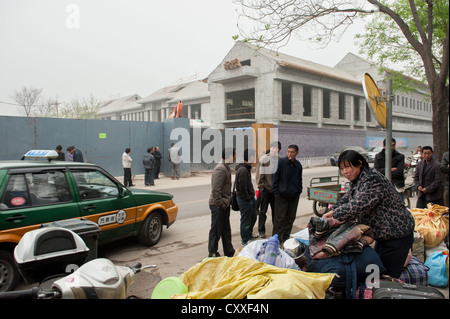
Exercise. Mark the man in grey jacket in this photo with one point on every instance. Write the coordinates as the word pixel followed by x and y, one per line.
pixel 265 168
pixel 219 203
pixel 149 165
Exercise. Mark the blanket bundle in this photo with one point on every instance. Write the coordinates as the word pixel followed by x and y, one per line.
pixel 328 237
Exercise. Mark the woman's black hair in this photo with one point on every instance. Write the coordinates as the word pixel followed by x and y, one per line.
pixel 352 157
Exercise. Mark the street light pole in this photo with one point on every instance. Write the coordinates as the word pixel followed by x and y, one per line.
pixel 388 148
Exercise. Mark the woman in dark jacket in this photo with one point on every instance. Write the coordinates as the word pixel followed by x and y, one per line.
pixel 373 200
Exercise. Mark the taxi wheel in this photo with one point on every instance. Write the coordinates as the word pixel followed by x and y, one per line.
pixel 9 274
pixel 151 230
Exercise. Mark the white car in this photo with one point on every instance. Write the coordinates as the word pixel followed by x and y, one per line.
pixel 373 151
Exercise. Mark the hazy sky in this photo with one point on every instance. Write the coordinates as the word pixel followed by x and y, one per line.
pixel 107 48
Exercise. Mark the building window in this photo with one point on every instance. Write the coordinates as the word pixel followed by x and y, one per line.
pixel 286 98
pixel 326 104
pixel 196 111
pixel 246 62
pixel 307 100
pixel 356 115
pixel 342 106
pixel 240 104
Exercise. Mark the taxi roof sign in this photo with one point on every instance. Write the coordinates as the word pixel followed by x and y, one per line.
pixel 44 154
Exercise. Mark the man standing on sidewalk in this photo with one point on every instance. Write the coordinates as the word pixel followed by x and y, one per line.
pixel 149 165
pixel 157 155
pixel 246 196
pixel 265 168
pixel 397 166
pixel 428 179
pixel 287 187
pixel 219 203
pixel 126 164
pixel 174 160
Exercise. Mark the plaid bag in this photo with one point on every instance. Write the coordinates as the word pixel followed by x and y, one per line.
pixel 415 273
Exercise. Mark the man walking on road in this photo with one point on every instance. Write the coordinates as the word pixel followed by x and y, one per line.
pixel 174 160
pixel 219 203
pixel 287 187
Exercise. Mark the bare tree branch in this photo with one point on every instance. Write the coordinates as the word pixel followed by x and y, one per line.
pixel 27 97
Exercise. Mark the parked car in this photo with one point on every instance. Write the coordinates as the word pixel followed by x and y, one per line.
pixel 373 151
pixel 334 158
pixel 36 192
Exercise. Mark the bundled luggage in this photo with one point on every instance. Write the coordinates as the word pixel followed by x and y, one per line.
pixel 415 273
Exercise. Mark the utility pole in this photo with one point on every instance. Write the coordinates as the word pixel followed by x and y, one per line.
pixel 388 149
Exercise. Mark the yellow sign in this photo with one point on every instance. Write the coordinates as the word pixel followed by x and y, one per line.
pixel 374 100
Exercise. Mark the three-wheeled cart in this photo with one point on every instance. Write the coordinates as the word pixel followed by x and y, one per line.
pixel 324 191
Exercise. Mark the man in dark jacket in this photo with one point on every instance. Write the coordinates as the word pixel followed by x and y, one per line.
pixel 149 164
pixel 219 203
pixel 428 179
pixel 77 154
pixel 246 196
pixel 397 167
pixel 287 187
pixel 158 156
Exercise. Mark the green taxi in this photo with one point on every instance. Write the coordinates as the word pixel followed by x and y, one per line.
pixel 38 190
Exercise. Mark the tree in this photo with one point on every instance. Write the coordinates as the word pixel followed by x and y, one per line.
pixel 28 97
pixel 85 108
pixel 411 31
pixel 48 109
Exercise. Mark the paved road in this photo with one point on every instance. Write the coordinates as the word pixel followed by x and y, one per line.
pixel 193 200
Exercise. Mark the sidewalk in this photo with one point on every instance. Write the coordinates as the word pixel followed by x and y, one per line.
pixel 165 182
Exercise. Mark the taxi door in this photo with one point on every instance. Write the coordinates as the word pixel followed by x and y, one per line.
pixel 32 197
pixel 102 200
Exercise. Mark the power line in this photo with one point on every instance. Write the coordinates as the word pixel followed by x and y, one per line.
pixel 10 103
pixel 41 105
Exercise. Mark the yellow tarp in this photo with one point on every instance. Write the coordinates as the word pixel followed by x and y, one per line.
pixel 242 277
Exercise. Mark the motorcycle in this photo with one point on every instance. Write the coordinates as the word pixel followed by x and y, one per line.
pixel 45 256
pixel 411 166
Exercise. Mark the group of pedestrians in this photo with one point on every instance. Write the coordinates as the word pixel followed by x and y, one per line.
pixel 279 181
pixel 151 162
pixel 73 154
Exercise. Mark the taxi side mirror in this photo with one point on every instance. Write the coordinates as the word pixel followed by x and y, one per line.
pixel 123 191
